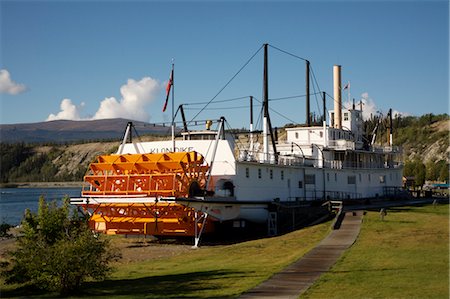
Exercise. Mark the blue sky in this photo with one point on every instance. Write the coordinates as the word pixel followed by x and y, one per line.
pixel 97 59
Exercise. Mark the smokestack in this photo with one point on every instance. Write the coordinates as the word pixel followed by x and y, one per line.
pixel 337 97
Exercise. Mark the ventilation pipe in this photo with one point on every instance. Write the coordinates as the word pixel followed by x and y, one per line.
pixel 337 97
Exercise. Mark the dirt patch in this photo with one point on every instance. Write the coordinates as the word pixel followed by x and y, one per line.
pixel 139 249
pixel 443 125
pixel 132 249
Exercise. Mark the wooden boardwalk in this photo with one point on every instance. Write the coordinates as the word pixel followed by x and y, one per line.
pixel 298 277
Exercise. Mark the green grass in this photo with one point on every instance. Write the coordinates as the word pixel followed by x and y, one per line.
pixel 404 256
pixel 211 271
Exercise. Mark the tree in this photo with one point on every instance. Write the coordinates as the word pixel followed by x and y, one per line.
pixel 420 172
pixel 58 251
pixel 444 172
pixel 416 169
pixel 432 170
pixel 408 169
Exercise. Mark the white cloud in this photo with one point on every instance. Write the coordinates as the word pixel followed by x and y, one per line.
pixel 136 96
pixel 7 85
pixel 370 108
pixel 68 111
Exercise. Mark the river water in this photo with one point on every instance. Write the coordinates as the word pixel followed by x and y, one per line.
pixel 14 201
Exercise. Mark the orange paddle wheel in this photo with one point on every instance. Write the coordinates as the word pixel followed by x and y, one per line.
pixel 135 193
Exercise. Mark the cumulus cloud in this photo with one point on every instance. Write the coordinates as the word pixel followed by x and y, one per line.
pixel 135 97
pixel 7 85
pixel 68 111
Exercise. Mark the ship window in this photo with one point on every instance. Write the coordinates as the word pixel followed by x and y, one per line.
pixel 335 177
pixel 382 178
pixel 345 116
pixel 321 134
pixel 259 173
pixel 247 172
pixel 228 188
pixel 328 177
pixel 271 174
pixel 351 179
pixel 282 175
pixel 310 179
pixel 369 177
pixel 300 184
pixel 296 135
pixel 360 177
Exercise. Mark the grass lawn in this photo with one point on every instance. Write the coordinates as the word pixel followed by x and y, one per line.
pixel 404 256
pixel 209 271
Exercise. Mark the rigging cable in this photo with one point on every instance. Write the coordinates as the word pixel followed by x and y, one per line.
pixel 315 93
pixel 285 52
pixel 279 114
pixel 219 108
pixel 235 75
pixel 215 102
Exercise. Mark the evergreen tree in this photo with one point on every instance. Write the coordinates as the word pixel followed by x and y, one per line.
pixel 420 173
pixel 444 172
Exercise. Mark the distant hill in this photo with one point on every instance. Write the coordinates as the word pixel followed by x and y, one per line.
pixel 61 131
pixel 424 139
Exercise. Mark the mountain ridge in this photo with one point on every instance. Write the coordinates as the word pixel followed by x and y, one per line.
pixel 61 131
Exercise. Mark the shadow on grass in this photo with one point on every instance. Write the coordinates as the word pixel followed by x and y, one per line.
pixel 184 285
pixel 26 291
pixel 369 270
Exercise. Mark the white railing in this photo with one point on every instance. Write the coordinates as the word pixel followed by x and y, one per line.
pixel 341 144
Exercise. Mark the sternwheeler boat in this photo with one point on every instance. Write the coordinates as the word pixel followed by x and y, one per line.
pixel 205 182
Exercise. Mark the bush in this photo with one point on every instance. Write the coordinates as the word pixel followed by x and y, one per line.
pixel 58 251
pixel 4 228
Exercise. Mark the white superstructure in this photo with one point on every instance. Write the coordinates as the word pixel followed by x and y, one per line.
pixel 313 163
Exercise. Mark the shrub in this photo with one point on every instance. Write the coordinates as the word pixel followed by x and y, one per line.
pixel 58 251
pixel 4 228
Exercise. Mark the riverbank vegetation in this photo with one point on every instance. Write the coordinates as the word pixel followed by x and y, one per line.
pixel 57 251
pixel 425 143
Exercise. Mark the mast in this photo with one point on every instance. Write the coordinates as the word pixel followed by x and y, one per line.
pixel 308 117
pixel 173 107
pixel 324 123
pixel 266 107
pixel 390 131
pixel 251 126
pixel 324 106
pixel 267 126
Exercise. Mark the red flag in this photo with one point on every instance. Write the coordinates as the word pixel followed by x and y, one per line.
pixel 169 85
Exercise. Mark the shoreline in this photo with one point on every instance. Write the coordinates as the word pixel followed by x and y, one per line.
pixel 42 185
